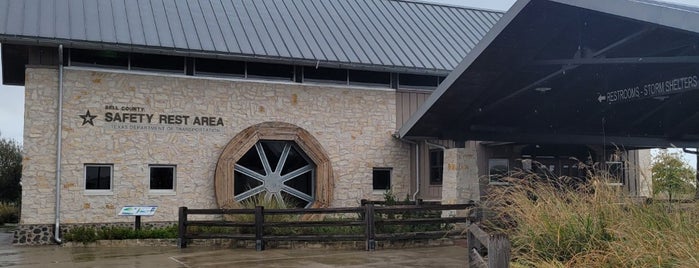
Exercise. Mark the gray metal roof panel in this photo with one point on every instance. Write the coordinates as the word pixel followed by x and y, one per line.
pixel 219 13
pixel 31 17
pixel 47 19
pixel 283 33
pixel 382 34
pixel 92 21
pixel 206 38
pixel 121 23
pixel 107 21
pixel 62 20
pixel 15 17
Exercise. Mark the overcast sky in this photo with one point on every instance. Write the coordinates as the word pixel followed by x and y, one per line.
pixel 12 98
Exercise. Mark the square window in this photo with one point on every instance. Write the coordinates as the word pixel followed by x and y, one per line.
pixel 382 178
pixel 436 166
pixel 162 178
pixel 498 168
pixel 98 177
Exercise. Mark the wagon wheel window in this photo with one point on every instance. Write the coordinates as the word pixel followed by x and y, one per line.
pixel 275 169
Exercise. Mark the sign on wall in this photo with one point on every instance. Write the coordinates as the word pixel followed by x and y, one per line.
pixel 125 117
pixel 654 89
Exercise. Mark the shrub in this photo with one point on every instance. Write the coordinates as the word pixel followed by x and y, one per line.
pixel 81 234
pixel 88 234
pixel 9 213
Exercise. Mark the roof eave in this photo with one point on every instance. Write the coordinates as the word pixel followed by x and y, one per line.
pixel 448 82
pixel 30 40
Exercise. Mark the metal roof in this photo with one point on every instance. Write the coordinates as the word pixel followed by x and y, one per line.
pixel 389 34
pixel 574 71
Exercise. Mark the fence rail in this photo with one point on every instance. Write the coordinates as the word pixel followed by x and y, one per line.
pixel 498 246
pixel 373 219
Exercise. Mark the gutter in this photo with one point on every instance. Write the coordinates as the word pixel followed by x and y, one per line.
pixel 59 137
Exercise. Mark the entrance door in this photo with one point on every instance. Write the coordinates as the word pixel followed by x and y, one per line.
pixel 431 172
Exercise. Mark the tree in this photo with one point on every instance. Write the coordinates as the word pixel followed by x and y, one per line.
pixel 695 152
pixel 671 174
pixel 10 170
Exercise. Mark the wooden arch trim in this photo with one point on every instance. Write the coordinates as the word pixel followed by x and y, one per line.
pixel 246 139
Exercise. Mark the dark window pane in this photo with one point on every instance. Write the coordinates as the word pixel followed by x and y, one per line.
pixel 157 62
pixel 273 151
pixel 270 71
pixel 416 81
pixel 98 177
pixel 224 67
pixel 162 178
pixel 243 183
pixel 382 179
pixel 251 160
pixel 14 60
pixel 436 166
pixel 331 75
pixel 497 169
pixel 369 78
pixel 83 57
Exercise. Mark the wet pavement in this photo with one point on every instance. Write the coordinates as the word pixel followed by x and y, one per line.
pixel 162 257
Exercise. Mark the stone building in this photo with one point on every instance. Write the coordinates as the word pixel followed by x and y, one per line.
pixel 206 103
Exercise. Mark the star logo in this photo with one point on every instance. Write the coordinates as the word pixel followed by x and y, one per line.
pixel 87 118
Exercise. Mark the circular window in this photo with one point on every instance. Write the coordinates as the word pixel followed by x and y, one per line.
pixel 274 160
pixel 275 169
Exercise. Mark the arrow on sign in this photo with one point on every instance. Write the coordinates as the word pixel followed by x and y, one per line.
pixel 601 98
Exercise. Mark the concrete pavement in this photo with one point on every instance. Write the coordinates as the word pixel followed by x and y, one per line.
pixel 162 257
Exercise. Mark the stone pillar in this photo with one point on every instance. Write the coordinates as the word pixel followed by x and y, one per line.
pixel 460 183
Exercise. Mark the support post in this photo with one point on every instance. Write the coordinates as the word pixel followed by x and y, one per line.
pixel 137 223
pixel 369 233
pixel 499 251
pixel 182 228
pixel 259 228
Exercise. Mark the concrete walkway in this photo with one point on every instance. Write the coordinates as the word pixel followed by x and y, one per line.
pixel 56 257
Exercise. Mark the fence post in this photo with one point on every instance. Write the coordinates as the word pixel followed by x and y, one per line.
pixel 182 228
pixel 369 227
pixel 499 251
pixel 471 243
pixel 259 228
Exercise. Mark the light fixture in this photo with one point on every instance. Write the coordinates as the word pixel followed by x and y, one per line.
pixel 542 89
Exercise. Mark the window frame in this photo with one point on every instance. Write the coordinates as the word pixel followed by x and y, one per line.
pixel 390 175
pixel 109 191
pixel 439 165
pixel 491 181
pixel 174 179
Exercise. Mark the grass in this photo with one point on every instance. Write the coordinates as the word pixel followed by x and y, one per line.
pixel 593 225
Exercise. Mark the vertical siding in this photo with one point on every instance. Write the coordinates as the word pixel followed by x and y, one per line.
pixel 407 102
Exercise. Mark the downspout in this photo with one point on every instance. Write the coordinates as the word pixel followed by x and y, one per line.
pixel 417 171
pixel 57 226
pixel 417 165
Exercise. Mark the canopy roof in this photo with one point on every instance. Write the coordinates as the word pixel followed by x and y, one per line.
pixel 575 71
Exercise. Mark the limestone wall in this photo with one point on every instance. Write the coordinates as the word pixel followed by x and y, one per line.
pixel 354 125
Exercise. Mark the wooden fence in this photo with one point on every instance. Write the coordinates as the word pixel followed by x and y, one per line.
pixel 498 246
pixel 375 221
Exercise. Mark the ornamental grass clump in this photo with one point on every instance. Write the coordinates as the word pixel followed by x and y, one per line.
pixel 592 224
